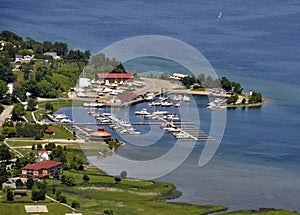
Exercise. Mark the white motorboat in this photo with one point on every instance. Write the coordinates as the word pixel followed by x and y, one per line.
pixel 142 112
pixel 186 98
pixel 94 104
pixel 160 112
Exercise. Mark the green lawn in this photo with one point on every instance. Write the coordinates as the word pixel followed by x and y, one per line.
pixel 57 104
pixel 17 206
pixel 28 116
pixel 59 133
pixel 130 196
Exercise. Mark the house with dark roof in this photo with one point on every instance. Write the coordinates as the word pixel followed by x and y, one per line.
pixel 42 169
pixel 115 77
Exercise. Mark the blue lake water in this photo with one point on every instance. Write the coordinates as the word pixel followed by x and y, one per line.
pixel 256 43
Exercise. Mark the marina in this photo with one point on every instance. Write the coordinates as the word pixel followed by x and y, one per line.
pixel 163 110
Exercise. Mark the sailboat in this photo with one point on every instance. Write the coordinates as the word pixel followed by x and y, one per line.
pixel 220 15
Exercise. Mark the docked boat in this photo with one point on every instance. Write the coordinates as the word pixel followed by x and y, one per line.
pixel 181 135
pixel 160 112
pixel 94 104
pixel 166 104
pixel 66 121
pixel 172 117
pixel 186 98
pixel 142 112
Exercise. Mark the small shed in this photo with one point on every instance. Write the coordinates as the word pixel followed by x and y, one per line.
pixel 20 192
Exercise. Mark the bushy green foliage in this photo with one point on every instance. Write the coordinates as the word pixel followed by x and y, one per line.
pixel 31 105
pixel 62 198
pixel 112 143
pixel 75 204
pixel 189 80
pixel 9 131
pixel 85 177
pixel 3 88
pixel 49 106
pixel 37 193
pixel 4 175
pixel 29 183
pixel 255 98
pixel 9 194
pixel 30 130
pixel 232 99
pixel 4 152
pixel 18 112
pixel 19 183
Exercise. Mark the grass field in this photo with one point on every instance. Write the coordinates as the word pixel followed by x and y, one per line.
pixel 130 196
pixel 17 206
pixel 28 116
pixel 59 133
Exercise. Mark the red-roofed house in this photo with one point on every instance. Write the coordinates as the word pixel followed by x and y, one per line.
pixel 42 169
pixel 112 77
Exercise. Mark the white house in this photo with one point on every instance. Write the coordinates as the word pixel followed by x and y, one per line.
pixel 52 54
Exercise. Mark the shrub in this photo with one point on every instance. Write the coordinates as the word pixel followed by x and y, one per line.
pixel 75 204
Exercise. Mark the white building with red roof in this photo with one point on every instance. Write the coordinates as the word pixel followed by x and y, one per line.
pixel 42 169
pixel 112 77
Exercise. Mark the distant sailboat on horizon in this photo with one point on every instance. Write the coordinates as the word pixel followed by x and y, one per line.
pixel 220 15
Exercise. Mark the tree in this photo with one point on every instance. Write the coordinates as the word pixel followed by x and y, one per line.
pixel 29 183
pixel 255 98
pixel 117 179
pixel 232 99
pixel 70 181
pixel 108 212
pixel 3 89
pixel 4 153
pixel 31 105
pixel 75 204
pixel 6 72
pixel 57 195
pixel 10 36
pixel 188 81
pixel 119 69
pixel 18 112
pixel 86 178
pixel 63 179
pixel 49 106
pixel 4 175
pixel 236 87
pixel 19 183
pixel 37 193
pixel 9 194
pixel 62 198
pixel 31 87
pixel 226 84
pixel 9 131
pixel 39 146
pixel 19 93
pixel 243 101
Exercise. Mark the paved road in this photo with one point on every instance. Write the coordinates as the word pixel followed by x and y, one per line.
pixel 5 114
